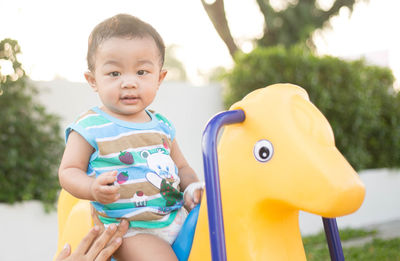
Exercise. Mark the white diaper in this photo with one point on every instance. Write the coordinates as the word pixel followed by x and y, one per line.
pixel 168 233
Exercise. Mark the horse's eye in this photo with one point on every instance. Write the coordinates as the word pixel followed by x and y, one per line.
pixel 263 150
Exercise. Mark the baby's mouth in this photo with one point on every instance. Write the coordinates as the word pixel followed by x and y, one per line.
pixel 129 99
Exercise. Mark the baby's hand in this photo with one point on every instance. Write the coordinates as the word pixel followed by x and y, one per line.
pixel 103 189
pixel 192 194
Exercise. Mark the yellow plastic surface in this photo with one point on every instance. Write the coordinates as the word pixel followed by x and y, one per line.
pixel 261 200
pixel 74 220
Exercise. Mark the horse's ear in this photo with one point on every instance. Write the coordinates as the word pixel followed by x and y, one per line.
pixel 301 114
pixel 311 121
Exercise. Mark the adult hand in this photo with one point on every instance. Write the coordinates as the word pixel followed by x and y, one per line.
pixel 96 245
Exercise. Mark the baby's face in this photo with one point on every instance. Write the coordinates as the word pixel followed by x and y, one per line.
pixel 127 76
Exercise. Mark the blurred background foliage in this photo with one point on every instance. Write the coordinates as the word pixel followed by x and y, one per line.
pixel 176 69
pixel 30 140
pixel 357 99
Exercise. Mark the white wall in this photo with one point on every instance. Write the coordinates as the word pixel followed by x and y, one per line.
pixel 66 99
pixel 189 108
pixel 27 233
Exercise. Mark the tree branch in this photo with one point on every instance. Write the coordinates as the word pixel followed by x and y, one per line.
pixel 216 13
pixel 334 10
pixel 267 12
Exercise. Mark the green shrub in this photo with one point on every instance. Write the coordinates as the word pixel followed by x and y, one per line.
pixel 357 99
pixel 30 140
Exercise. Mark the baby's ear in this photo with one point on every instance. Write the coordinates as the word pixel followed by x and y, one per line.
pixel 89 76
pixel 163 73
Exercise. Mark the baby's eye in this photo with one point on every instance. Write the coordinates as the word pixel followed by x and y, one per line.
pixel 114 74
pixel 142 72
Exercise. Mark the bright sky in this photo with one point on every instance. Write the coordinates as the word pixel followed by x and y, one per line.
pixel 53 33
pixel 372 29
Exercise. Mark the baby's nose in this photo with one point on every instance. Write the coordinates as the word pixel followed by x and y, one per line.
pixel 129 82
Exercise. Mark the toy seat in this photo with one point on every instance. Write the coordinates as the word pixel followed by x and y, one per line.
pixel 184 241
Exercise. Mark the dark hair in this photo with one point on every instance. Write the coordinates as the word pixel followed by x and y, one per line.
pixel 121 25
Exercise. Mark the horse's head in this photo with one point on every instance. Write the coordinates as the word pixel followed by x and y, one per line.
pixel 284 154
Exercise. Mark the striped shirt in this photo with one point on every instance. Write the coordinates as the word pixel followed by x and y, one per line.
pixel 140 153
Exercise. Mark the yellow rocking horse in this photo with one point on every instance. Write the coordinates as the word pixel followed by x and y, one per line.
pixel 278 159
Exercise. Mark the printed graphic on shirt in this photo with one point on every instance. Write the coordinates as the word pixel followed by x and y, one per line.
pixel 155 194
pixel 126 157
pixel 163 178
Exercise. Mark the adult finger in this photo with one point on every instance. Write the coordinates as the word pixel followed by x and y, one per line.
pixel 96 219
pixel 87 240
pixel 107 252
pixel 122 228
pixel 65 252
pixel 101 242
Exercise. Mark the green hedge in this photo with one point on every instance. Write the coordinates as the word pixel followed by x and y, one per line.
pixel 358 100
pixel 30 140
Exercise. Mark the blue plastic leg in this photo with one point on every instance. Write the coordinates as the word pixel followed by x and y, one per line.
pixel 333 239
